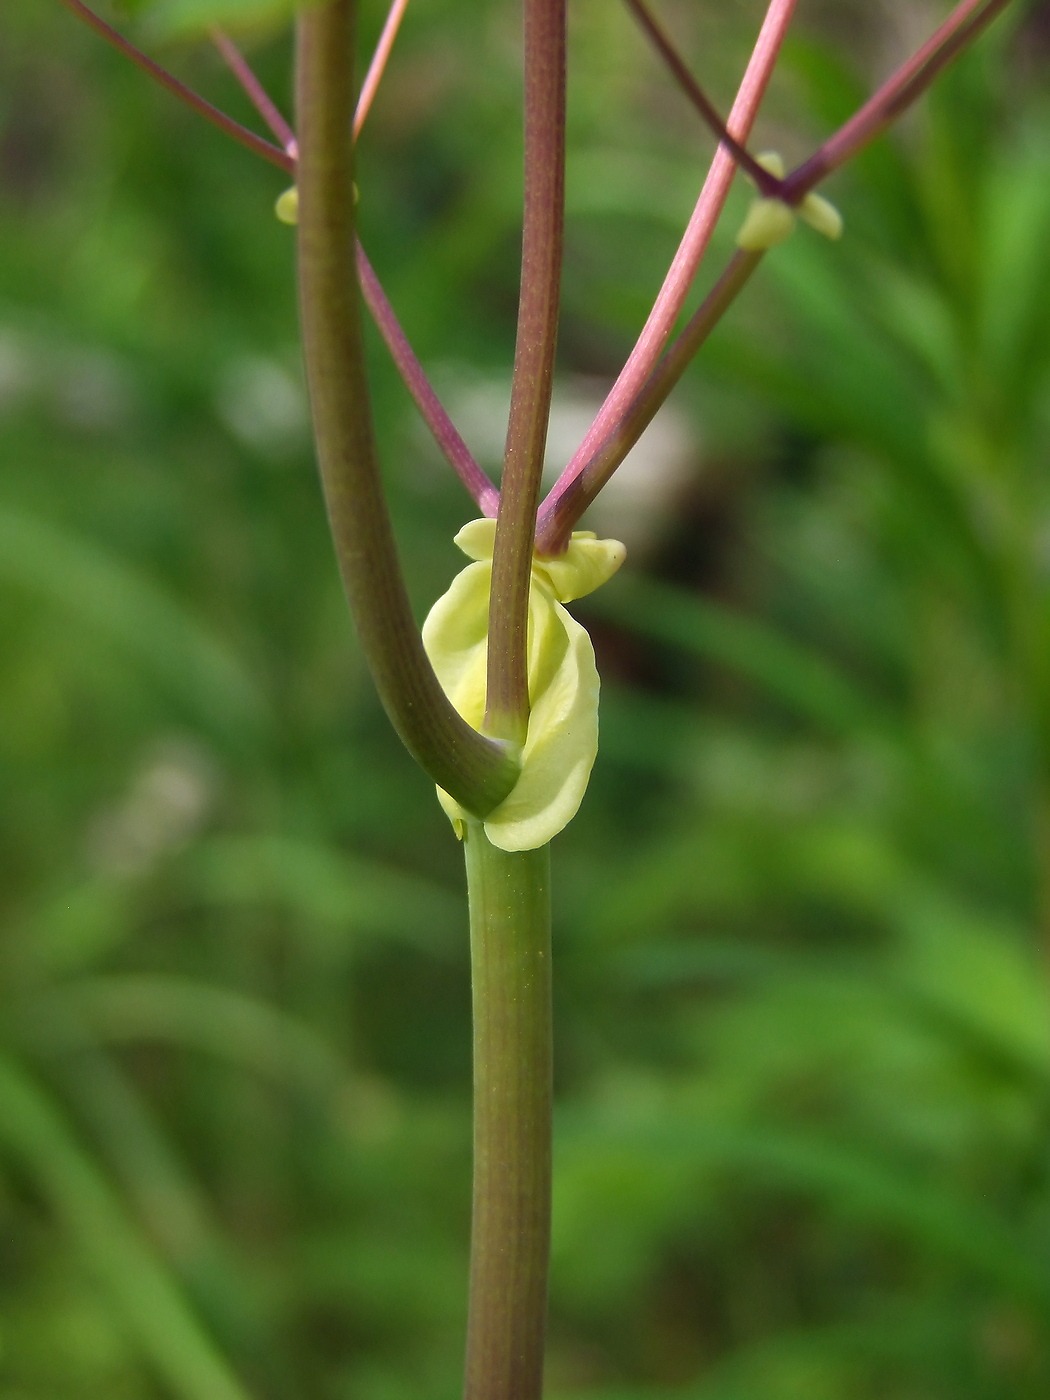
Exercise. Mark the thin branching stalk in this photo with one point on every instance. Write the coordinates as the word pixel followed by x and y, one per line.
pixel 475 770
pixel 550 536
pixel 646 403
pixel 377 67
pixel 260 98
pixel 895 95
pixel 601 452
pixel 766 182
pixel 445 433
pixel 274 154
pixel 507 712
pixel 455 450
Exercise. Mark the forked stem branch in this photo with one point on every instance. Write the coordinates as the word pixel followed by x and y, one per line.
pixel 476 771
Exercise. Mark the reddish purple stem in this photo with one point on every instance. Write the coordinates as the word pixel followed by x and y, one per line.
pixel 258 144
pixel 377 67
pixel 485 495
pixel 636 396
pixel 552 534
pixel 767 183
pixel 908 83
pixel 507 710
pixel 437 420
pixel 261 99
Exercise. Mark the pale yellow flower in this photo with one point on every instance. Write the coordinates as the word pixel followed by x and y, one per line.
pixel 562 740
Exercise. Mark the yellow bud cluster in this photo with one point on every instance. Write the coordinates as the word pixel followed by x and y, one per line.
pixel 770 221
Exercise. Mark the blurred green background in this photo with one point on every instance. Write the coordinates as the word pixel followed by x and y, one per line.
pixel 803 919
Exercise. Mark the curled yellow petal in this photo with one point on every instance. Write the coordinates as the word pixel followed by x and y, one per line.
pixel 562 738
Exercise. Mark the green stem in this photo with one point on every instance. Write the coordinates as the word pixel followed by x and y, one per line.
pixel 476 771
pixel 510 1241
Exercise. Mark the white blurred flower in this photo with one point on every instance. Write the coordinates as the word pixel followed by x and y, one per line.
pixel 264 405
pixel 166 803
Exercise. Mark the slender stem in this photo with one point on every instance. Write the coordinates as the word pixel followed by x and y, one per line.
pixel 510 1239
pixel 668 305
pixel 907 84
pixel 767 183
pixel 485 495
pixel 558 520
pixel 261 147
pixel 458 454
pixel 261 99
pixel 544 215
pixel 376 68
pixel 613 433
pixel 476 771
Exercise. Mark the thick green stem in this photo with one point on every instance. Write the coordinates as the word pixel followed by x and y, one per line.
pixel 510 1241
pixel 476 771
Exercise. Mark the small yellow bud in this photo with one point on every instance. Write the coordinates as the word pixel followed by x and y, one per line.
pixel 287 206
pixel 822 215
pixel 768 222
pixel 772 161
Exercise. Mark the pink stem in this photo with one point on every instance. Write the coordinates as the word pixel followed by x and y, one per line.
pixel 378 64
pixel 485 495
pixel 667 308
pixel 261 147
pixel 899 91
pixel 261 99
pixel 767 183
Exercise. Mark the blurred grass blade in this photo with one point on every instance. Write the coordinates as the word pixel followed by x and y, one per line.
pixel 34 1131
pixel 787 672
pixel 164 1195
pixel 851 1182
pixel 177 1010
pixel 329 888
pixel 173 19
pixel 89 583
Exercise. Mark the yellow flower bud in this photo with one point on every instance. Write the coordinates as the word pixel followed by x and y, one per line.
pixel 822 215
pixel 768 222
pixel 772 161
pixel 562 739
pixel 287 206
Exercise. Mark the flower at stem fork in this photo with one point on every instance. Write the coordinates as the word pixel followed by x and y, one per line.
pixel 562 737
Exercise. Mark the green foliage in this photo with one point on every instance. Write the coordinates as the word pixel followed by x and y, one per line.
pixel 804 1056
pixel 171 19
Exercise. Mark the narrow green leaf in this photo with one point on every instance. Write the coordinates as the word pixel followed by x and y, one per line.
pixel 851 1182
pixel 228 1024
pixel 175 19
pixel 35 1133
pixel 328 889
pixel 96 587
pixel 789 673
